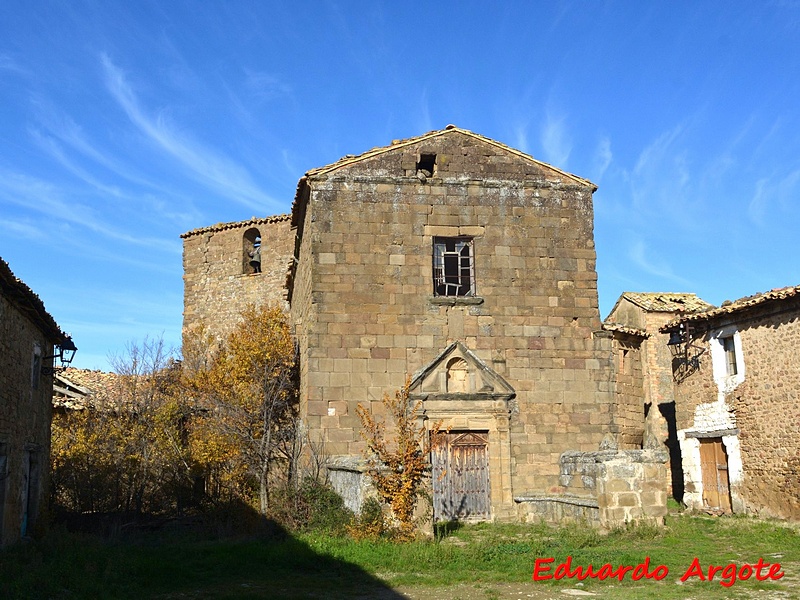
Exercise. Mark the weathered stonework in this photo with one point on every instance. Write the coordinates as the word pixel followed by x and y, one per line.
pixel 754 412
pixel 218 279
pixel 27 335
pixel 366 315
pixel 514 363
pixel 605 489
pixel 647 313
pixel 629 405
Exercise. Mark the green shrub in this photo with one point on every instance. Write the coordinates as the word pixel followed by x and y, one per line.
pixel 369 524
pixel 313 506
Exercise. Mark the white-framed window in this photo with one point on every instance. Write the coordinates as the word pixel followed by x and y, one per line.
pixel 453 266
pixel 727 358
pixel 729 348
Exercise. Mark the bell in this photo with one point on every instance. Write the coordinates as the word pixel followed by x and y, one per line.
pixel 675 338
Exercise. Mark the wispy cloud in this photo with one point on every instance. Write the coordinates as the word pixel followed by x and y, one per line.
pixel 7 63
pixel 264 86
pixel 521 137
pixel 48 199
pixel 423 117
pixel 178 209
pixel 602 159
pixel 555 140
pixel 205 165
pixel 773 196
pixel 663 184
pixel 55 150
pixel 638 253
pixel 24 230
pixel 658 152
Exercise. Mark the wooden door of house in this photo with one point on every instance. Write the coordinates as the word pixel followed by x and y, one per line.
pixel 714 466
pixel 461 477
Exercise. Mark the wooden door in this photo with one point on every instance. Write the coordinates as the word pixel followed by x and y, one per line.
pixel 714 466
pixel 461 477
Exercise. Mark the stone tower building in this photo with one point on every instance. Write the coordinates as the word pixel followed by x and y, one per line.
pixel 468 266
pixel 218 278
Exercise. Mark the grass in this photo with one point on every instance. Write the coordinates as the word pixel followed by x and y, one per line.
pixel 185 565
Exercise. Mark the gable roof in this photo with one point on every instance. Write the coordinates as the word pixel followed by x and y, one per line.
pixel 253 221
pixel 666 301
pixel 739 306
pixel 397 144
pixel 29 304
pixel 351 159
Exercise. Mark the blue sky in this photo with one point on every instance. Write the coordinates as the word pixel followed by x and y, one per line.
pixel 125 124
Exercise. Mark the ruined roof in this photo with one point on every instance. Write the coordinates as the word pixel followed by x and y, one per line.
pixel 740 305
pixel 29 304
pixel 350 159
pixel 78 389
pixel 667 301
pixel 254 221
pixel 619 328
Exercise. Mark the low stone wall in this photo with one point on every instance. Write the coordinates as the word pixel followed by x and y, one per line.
pixel 605 489
pixel 558 508
pixel 347 476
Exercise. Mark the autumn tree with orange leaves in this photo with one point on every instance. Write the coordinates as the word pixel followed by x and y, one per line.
pixel 248 388
pixel 398 458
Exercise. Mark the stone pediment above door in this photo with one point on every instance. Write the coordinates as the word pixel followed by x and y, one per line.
pixel 458 374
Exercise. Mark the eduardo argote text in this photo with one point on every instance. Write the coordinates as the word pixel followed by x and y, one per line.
pixel 726 575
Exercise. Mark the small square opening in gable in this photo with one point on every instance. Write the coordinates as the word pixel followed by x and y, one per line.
pixel 426 164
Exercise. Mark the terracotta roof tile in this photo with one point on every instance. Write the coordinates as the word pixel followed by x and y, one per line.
pixel 254 221
pixel 618 328
pixel 77 389
pixel 668 301
pixel 741 304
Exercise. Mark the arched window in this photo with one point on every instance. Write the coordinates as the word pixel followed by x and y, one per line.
pixel 251 251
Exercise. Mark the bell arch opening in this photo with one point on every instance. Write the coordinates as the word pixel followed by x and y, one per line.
pixel 251 251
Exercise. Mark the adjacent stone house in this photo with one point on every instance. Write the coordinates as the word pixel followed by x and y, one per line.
pixel 737 392
pixel 28 335
pixel 468 267
pixel 646 313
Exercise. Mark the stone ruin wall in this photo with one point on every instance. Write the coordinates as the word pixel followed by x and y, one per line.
pixel 629 391
pixel 767 408
pixel 604 489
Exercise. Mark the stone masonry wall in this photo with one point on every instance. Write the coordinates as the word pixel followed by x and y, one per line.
pixel 658 360
pixel 767 406
pixel 218 281
pixel 370 317
pixel 629 391
pixel 605 489
pixel 25 412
